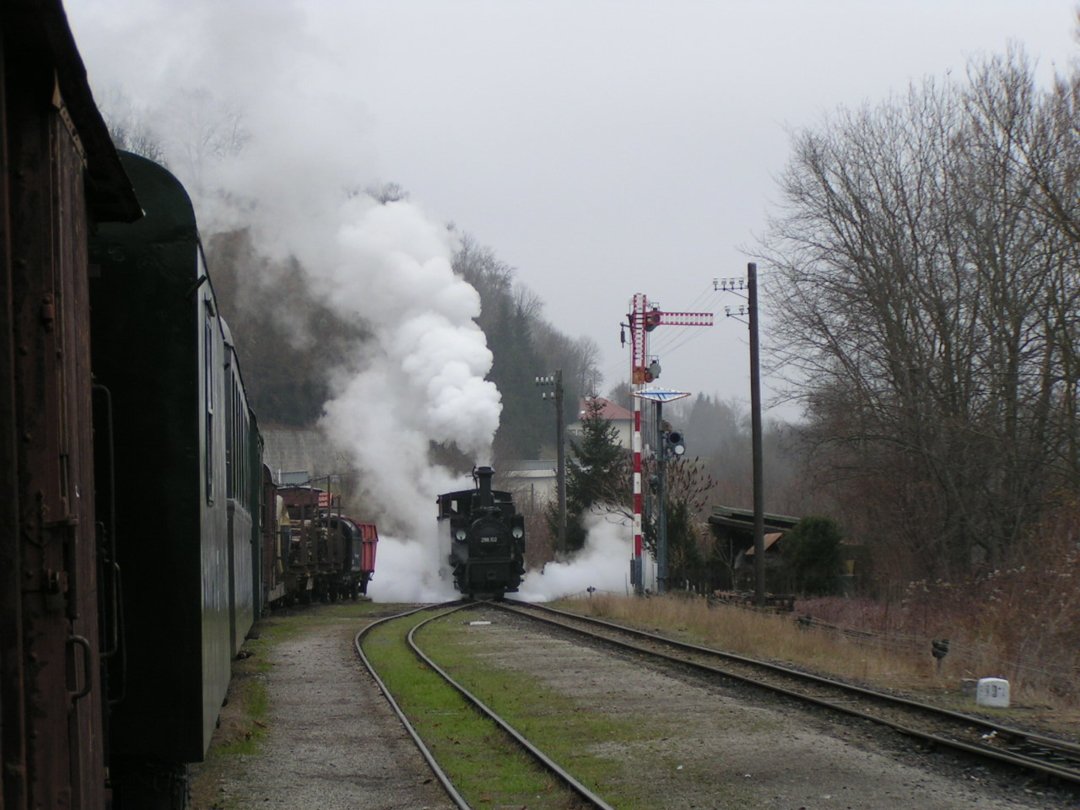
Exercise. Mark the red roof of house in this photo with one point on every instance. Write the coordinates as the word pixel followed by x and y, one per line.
pixel 609 410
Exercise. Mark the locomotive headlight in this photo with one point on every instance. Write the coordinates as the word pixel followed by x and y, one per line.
pixel 460 534
pixel 518 532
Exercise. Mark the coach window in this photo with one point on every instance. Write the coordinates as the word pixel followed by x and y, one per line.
pixel 230 434
pixel 208 373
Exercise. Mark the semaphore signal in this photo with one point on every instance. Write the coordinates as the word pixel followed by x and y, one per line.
pixel 642 319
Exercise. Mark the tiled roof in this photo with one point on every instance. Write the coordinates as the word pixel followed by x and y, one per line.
pixel 609 410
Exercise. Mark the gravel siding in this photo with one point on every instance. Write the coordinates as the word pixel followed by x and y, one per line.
pixel 332 742
pixel 711 747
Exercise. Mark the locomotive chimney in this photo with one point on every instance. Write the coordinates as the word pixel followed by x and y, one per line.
pixel 483 483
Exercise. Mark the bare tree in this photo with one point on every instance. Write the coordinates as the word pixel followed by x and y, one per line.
pixel 929 312
pixel 207 129
pixel 130 128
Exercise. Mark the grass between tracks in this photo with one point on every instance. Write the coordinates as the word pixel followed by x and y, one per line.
pixel 484 764
pixel 567 732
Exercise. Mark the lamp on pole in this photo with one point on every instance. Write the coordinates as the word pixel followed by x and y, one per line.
pixel 555 380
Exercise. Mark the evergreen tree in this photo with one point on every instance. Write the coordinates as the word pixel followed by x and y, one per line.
pixel 596 473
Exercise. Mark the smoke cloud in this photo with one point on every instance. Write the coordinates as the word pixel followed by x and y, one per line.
pixel 408 571
pixel 251 111
pixel 249 106
pixel 603 564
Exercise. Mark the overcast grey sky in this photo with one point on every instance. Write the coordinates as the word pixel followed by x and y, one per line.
pixel 601 148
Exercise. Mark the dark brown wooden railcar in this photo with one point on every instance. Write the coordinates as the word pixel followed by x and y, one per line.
pixel 59 174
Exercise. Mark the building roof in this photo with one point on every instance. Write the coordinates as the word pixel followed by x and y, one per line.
pixel 742 520
pixel 770 541
pixel 529 465
pixel 296 455
pixel 608 410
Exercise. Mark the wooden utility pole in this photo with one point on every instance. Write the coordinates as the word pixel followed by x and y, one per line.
pixel 755 427
pixel 560 451
pixel 735 285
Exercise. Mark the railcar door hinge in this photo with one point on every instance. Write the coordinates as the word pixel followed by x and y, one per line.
pixel 55 588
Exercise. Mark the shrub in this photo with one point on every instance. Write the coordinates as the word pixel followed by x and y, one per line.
pixel 812 556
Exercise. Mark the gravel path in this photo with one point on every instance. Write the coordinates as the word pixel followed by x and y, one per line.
pixel 332 743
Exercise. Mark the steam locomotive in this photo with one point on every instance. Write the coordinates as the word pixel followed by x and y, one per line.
pixel 486 538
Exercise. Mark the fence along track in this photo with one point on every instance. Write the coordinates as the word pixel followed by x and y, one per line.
pixel 1039 754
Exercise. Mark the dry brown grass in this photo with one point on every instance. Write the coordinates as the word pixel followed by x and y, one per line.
pixel 867 653
pixel 1021 623
pixel 772 636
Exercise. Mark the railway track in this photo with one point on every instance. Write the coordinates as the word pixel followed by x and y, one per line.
pixel 1055 760
pixel 425 752
pixel 584 796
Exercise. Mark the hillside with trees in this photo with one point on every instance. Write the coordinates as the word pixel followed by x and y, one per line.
pixel 292 344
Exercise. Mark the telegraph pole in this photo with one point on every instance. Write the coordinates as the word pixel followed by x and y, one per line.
pixel 755 427
pixel 751 311
pixel 560 450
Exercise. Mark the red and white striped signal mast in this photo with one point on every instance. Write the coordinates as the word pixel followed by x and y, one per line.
pixel 644 318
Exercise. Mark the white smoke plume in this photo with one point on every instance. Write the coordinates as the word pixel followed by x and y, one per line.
pixel 254 116
pixel 407 571
pixel 603 564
